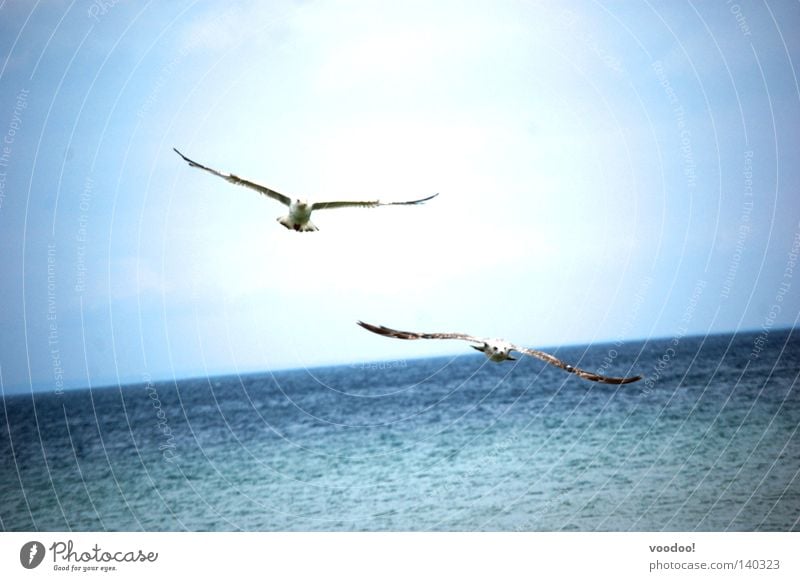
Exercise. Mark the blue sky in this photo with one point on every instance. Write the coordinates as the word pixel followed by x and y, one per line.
pixel 606 171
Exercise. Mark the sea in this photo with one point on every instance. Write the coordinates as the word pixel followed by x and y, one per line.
pixel 708 441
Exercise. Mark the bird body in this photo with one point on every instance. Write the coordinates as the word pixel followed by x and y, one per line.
pixel 496 350
pixel 298 217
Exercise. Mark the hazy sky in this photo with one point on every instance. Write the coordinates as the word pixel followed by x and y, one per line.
pixel 606 170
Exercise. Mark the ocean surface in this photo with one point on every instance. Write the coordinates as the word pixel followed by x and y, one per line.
pixel 709 441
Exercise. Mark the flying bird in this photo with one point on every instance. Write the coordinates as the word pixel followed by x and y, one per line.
pixel 300 210
pixel 498 350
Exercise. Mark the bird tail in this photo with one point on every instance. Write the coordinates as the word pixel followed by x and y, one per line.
pixel 287 222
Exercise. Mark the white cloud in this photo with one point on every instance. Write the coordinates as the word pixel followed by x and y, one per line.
pixel 226 26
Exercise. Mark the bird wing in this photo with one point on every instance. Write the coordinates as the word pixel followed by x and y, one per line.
pixel 239 181
pixel 367 204
pixel 546 357
pixel 387 332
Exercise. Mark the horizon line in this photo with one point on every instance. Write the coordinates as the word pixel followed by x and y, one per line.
pixel 40 388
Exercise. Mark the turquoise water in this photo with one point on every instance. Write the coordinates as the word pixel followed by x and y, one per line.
pixel 709 442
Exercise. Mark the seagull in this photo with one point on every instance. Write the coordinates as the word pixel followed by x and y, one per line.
pixel 299 209
pixel 498 350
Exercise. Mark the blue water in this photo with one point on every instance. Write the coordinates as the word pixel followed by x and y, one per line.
pixel 710 442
